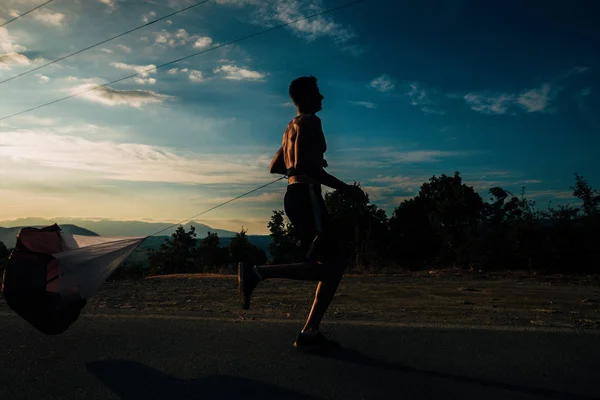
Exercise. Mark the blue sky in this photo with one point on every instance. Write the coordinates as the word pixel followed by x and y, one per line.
pixel 504 94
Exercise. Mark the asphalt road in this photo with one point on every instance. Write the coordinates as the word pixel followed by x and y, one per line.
pixel 129 357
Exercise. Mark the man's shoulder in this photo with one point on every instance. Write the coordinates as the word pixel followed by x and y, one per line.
pixel 308 121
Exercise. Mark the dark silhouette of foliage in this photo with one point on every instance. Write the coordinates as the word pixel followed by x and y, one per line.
pixel 241 250
pixel 210 256
pixel 283 247
pixel 176 255
pixel 446 225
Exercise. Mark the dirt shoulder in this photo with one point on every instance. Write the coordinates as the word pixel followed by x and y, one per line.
pixel 441 298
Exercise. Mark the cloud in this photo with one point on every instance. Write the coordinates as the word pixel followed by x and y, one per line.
pixel 385 157
pixel 366 104
pixel 125 49
pixel 275 12
pixel 107 51
pixel 383 83
pixel 8 60
pixel 144 75
pixel 115 97
pixel 146 17
pixel 288 104
pixel 423 99
pixel 110 3
pixel 10 52
pixel 202 42
pixel 535 100
pixel 181 37
pixel 531 100
pixel 135 162
pixel 558 194
pixel 42 78
pixel 196 76
pixel 489 104
pixel 7 43
pixel 49 18
pixel 233 72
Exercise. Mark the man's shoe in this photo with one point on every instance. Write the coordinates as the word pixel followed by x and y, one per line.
pixel 316 342
pixel 247 281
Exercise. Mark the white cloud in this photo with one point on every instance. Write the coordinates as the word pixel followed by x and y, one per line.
pixel 110 3
pixel 8 60
pixel 532 100
pixel 146 17
pixel 42 78
pixel 7 43
pixel 49 18
pixel 173 71
pixel 285 11
pixel 385 157
pixel 421 98
pixel 144 75
pixel 108 51
pixel 125 49
pixel 383 83
pixel 134 162
pixel 490 104
pixel 366 104
pixel 196 76
pixel 236 73
pixel 180 37
pixel 202 42
pixel 288 104
pixel 115 97
pixel 535 100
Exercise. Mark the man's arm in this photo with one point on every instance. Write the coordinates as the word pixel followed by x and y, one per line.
pixel 307 158
pixel 278 164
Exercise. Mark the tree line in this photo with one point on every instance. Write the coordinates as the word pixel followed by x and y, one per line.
pixel 447 224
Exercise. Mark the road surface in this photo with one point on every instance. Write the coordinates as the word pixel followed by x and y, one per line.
pixel 182 357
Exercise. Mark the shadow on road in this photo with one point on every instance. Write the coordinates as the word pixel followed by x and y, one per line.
pixel 355 357
pixel 132 380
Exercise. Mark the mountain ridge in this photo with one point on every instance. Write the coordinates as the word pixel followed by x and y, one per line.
pixel 105 227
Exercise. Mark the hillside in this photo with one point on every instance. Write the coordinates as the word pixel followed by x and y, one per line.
pixel 118 228
pixel 8 236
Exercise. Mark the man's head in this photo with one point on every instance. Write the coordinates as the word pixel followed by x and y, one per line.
pixel 305 94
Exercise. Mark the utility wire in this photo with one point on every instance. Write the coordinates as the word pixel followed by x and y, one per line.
pixel 104 41
pixel 181 59
pixel 217 206
pixel 25 13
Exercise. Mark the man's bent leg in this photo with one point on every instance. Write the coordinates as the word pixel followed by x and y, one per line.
pixel 323 298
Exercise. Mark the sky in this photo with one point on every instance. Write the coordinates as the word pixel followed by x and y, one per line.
pixel 503 92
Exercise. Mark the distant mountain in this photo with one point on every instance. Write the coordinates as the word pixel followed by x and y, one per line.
pixel 119 228
pixel 8 236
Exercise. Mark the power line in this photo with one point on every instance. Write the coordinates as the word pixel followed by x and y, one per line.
pixel 104 41
pixel 25 13
pixel 217 206
pixel 181 59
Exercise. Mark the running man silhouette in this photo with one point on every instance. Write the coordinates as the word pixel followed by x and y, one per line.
pixel 301 159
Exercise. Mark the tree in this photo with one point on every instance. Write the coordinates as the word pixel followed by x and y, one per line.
pixel 211 256
pixel 453 209
pixel 241 250
pixel 584 192
pixel 4 252
pixel 283 247
pixel 361 230
pixel 176 255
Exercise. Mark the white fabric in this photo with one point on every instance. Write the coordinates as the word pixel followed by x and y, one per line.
pixel 90 260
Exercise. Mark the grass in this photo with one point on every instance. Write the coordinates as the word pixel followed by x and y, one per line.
pixel 451 297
